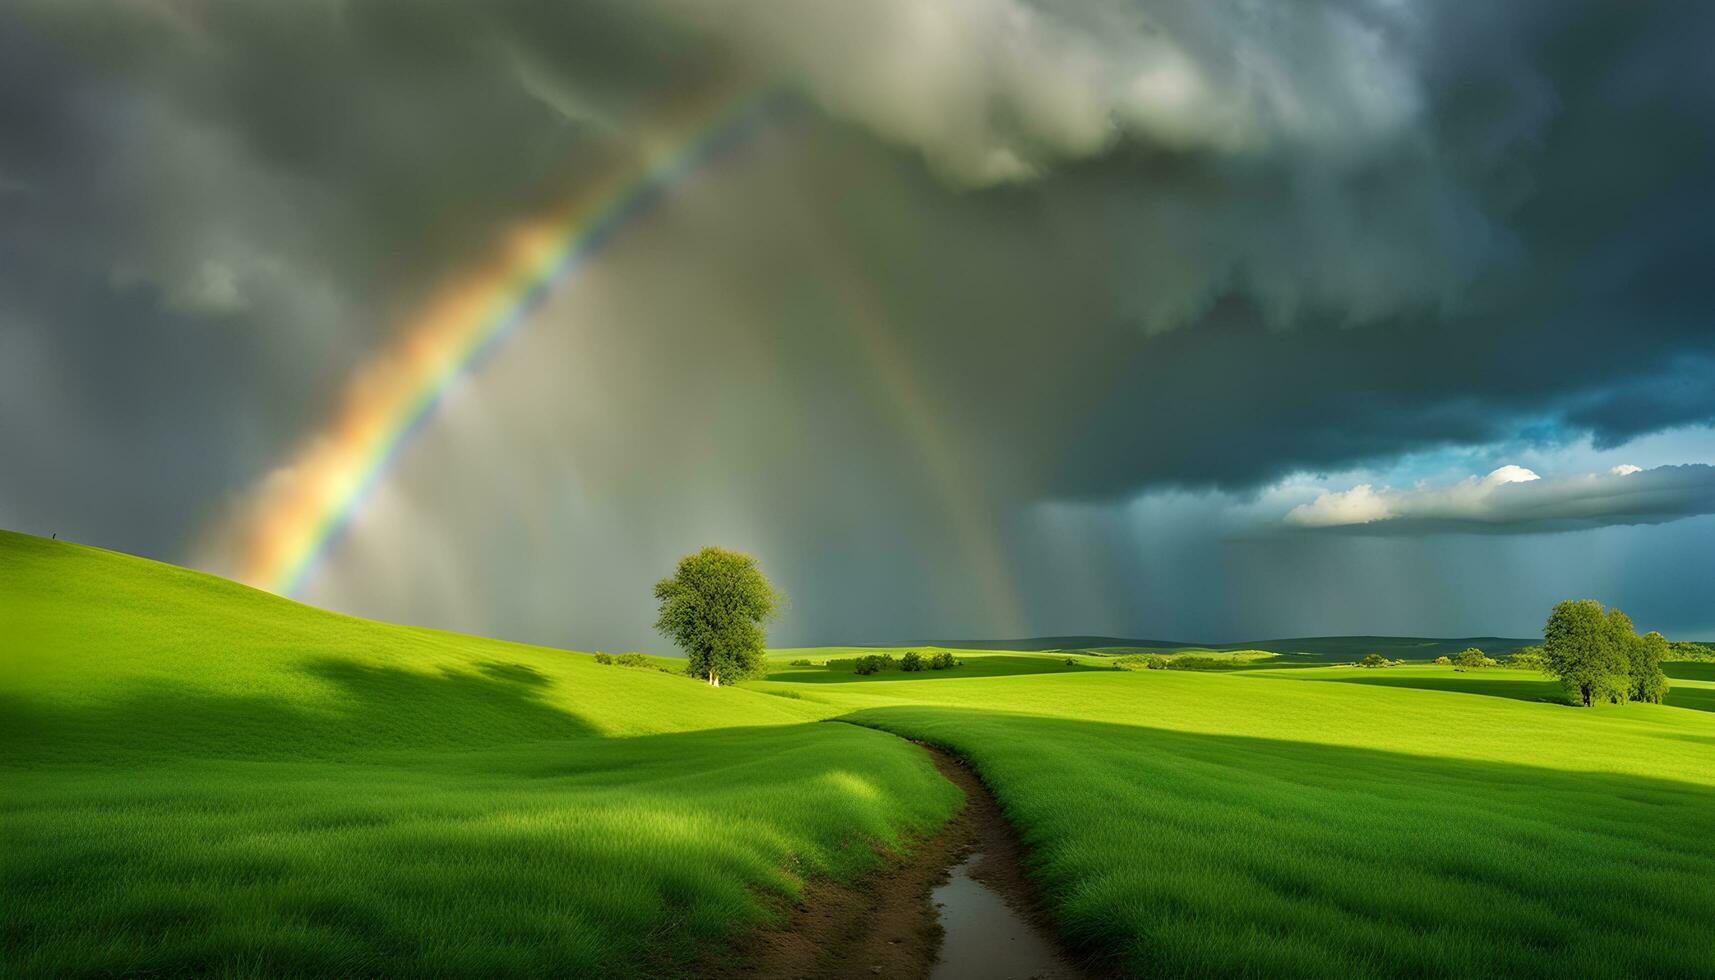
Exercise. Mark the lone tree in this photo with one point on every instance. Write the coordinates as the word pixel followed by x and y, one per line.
pixel 1580 646
pixel 713 607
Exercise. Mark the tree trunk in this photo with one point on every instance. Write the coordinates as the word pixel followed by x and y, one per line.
pixel 714 679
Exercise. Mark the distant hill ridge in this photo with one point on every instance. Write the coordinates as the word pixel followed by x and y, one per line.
pixel 1338 647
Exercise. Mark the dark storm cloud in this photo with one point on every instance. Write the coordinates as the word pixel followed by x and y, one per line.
pixel 210 214
pixel 1107 247
pixel 120 409
pixel 1582 133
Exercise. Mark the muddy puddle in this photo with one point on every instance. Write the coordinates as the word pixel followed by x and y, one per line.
pixel 984 939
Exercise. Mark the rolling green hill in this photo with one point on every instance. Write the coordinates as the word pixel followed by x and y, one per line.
pixel 201 778
pixel 197 778
pixel 1322 649
pixel 1323 821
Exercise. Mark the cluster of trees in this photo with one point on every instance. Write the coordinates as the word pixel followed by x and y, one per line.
pixel 1689 650
pixel 1377 660
pixel 1472 658
pixel 1183 661
pixel 1141 661
pixel 874 663
pixel 632 659
pixel 910 661
pixel 1527 658
pixel 1598 655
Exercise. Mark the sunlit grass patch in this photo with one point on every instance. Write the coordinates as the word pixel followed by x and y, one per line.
pixel 199 778
pixel 1314 821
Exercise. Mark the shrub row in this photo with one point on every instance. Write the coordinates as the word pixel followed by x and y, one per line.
pixel 1156 661
pixel 1689 650
pixel 632 659
pixel 911 661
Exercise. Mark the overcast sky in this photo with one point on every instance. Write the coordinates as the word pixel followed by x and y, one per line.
pixel 1197 320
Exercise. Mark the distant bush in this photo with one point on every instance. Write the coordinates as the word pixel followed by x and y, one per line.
pixel 1375 660
pixel 801 662
pixel 1471 658
pixel 911 662
pixel 1141 661
pixel 1443 661
pixel 1684 650
pixel 873 663
pixel 1528 658
pixel 1198 663
pixel 1071 661
pixel 942 661
pixel 602 658
pixel 632 659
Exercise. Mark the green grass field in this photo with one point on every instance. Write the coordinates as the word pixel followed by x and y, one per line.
pixel 201 778
pixel 1314 821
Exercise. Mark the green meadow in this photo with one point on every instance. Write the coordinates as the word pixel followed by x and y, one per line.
pixel 202 778
pixel 1402 821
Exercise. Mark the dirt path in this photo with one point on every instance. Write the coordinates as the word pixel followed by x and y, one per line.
pixel 884 924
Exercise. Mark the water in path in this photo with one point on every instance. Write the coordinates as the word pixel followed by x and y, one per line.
pixel 985 938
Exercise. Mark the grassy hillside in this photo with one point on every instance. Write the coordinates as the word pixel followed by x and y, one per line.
pixel 1335 821
pixel 202 778
pixel 196 777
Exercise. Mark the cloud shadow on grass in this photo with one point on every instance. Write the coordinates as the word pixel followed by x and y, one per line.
pixel 372 708
pixel 1526 687
pixel 1504 683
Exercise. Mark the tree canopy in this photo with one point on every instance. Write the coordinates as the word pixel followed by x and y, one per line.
pixel 1473 657
pixel 1646 653
pixel 1599 656
pixel 713 607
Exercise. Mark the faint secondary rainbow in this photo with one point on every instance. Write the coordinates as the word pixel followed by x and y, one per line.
pixel 305 507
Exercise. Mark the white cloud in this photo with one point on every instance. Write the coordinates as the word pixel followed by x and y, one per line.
pixel 1513 499
pixel 1509 473
pixel 1359 505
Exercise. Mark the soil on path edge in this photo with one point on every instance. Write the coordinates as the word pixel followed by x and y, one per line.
pixel 884 923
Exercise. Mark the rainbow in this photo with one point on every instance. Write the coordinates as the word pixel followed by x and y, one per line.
pixel 304 508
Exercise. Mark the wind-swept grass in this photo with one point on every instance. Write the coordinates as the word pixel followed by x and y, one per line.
pixel 1267 824
pixel 199 778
